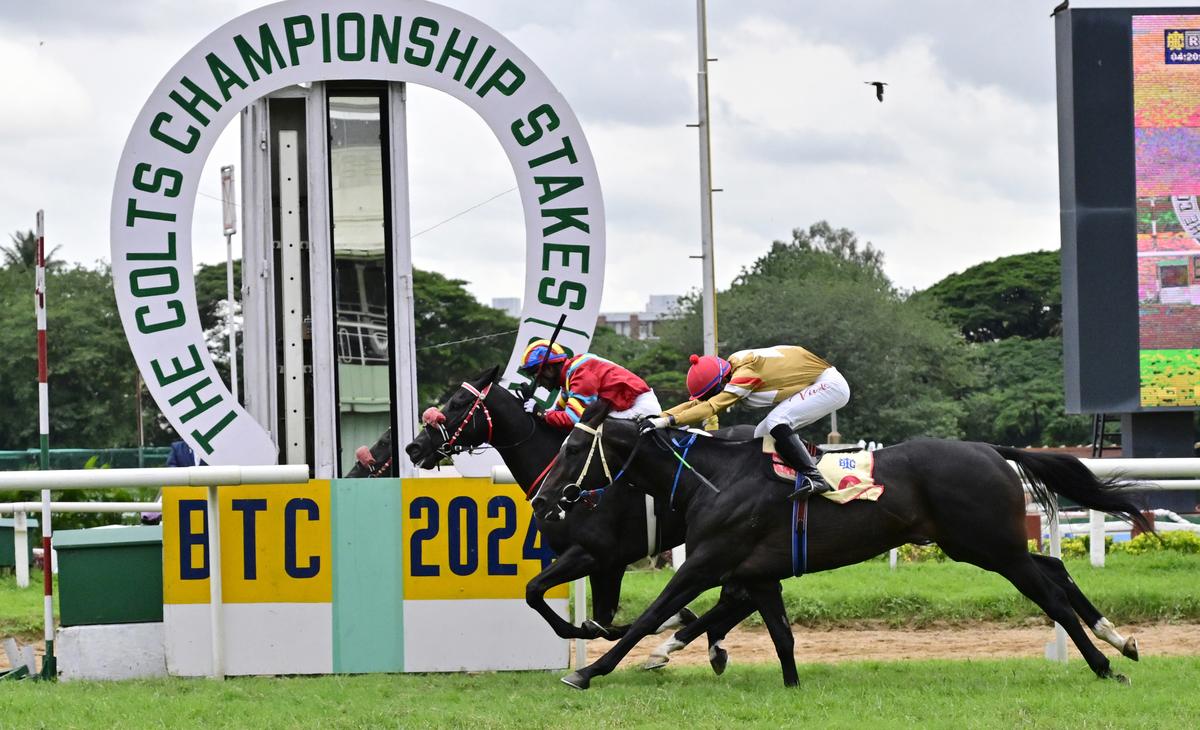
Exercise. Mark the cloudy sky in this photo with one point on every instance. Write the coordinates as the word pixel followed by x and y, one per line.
pixel 956 167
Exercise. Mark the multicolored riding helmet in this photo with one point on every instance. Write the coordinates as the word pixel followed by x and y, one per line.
pixel 705 375
pixel 541 352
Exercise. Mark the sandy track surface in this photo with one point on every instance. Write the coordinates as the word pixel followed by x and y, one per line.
pixel 977 641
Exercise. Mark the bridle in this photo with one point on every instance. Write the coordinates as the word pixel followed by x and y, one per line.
pixel 435 420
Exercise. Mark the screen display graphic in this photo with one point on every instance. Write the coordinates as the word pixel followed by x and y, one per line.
pixel 1166 92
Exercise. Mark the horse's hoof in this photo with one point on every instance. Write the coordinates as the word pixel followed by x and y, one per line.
pixel 1122 679
pixel 1130 649
pixel 593 630
pixel 576 680
pixel 686 616
pixel 718 658
pixel 655 662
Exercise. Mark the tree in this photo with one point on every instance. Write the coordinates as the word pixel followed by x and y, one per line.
pixel 22 252
pixel 1013 296
pixel 456 336
pixel 826 292
pixel 92 373
pixel 1020 399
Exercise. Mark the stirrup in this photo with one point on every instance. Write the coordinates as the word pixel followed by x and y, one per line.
pixel 809 487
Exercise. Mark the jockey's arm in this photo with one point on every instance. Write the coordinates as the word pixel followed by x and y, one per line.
pixel 696 412
pixel 567 412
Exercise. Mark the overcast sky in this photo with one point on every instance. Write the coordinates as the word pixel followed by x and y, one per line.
pixel 957 166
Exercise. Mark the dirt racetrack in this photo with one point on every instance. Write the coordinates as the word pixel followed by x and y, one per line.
pixel 977 641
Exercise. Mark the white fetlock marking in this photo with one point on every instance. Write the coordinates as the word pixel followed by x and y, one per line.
pixel 1105 630
pixel 671 623
pixel 712 650
pixel 663 651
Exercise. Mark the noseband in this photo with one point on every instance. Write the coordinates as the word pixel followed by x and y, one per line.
pixel 436 420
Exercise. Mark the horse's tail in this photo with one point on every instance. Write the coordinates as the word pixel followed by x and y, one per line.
pixel 1066 475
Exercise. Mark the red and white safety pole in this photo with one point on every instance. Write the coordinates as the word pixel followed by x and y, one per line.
pixel 49 668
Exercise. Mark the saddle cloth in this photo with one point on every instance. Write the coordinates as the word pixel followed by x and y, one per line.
pixel 850 473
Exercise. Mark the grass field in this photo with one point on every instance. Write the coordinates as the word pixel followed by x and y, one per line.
pixel 1014 693
pixel 1154 587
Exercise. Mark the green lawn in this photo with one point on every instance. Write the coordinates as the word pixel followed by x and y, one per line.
pixel 1012 693
pixel 21 608
pixel 1132 588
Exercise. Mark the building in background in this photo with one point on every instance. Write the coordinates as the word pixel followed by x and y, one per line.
pixel 641 325
pixel 509 305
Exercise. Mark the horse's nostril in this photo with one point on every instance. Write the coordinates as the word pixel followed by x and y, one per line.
pixel 413 450
pixel 538 503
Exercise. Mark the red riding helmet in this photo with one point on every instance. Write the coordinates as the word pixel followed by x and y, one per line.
pixel 705 374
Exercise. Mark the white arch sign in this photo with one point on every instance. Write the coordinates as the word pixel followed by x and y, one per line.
pixel 307 40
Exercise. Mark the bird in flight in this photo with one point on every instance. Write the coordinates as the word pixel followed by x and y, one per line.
pixel 878 88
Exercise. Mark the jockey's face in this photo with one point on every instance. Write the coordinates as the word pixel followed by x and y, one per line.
pixel 548 377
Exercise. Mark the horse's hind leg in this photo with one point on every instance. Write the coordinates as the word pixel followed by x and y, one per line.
pixel 1017 565
pixel 769 599
pixel 732 608
pixel 1054 569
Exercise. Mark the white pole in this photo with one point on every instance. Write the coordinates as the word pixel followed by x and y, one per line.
pixel 580 615
pixel 893 558
pixel 229 214
pixel 709 301
pixel 1096 537
pixel 214 585
pixel 1056 651
pixel 21 548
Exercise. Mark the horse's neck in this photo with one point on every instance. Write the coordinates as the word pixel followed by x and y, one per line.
pixel 528 444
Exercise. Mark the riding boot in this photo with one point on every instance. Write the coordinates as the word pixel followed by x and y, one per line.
pixel 789 446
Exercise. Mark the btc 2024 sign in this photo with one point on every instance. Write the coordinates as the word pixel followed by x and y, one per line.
pixel 459 539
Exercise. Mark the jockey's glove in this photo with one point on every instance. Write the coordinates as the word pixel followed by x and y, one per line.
pixel 533 408
pixel 657 422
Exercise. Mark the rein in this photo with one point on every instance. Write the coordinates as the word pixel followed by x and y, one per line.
pixel 662 440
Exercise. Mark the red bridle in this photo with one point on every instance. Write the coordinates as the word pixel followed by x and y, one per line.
pixel 436 419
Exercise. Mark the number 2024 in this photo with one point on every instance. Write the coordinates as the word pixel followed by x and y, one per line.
pixel 462 523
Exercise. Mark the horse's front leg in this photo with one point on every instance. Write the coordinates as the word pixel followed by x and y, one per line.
pixel 606 596
pixel 695 576
pixel 574 563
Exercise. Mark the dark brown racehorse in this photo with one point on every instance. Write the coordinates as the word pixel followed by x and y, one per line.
pixel 963 496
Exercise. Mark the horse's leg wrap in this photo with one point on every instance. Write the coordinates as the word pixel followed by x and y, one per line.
pixel 662 654
pixel 1104 629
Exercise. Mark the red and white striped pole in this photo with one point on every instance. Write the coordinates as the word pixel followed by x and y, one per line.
pixel 49 668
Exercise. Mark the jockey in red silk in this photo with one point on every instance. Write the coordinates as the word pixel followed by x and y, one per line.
pixel 581 380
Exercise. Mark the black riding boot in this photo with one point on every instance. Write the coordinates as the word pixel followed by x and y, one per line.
pixel 789 446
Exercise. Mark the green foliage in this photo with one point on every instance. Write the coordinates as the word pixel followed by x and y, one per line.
pixel 1020 399
pixel 1013 296
pixel 92 375
pixel 911 553
pixel 21 253
pixel 826 292
pixel 445 312
pixel 1177 541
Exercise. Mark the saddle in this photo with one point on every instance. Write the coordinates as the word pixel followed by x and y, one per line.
pixel 850 471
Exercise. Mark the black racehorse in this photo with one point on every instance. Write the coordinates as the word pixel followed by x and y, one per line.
pixel 963 496
pixel 598 542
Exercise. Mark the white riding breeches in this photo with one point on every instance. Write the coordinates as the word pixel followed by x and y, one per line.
pixel 829 392
pixel 645 405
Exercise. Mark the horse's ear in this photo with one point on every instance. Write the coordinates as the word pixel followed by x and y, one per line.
pixel 487 376
pixel 595 414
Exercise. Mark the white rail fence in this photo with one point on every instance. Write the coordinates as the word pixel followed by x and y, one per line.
pixel 196 476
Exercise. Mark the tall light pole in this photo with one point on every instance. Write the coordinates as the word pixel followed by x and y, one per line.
pixel 709 296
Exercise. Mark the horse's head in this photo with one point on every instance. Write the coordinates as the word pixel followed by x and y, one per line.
pixel 579 455
pixel 463 423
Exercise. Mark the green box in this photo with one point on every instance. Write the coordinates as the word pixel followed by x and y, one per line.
pixel 7 549
pixel 110 575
